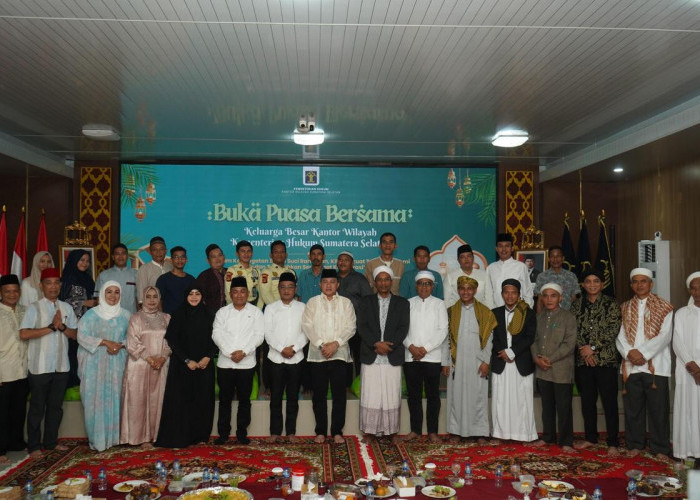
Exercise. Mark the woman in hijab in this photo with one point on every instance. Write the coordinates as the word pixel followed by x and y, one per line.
pixel 31 285
pixel 188 405
pixel 146 371
pixel 101 362
pixel 77 288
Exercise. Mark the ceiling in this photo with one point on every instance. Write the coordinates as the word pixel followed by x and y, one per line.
pixel 400 81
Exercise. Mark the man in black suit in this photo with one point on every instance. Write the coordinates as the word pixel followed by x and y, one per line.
pixel 382 324
pixel 531 269
pixel 512 367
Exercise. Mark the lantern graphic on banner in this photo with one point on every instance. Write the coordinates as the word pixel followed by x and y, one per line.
pixel 129 185
pixel 451 179
pixel 459 197
pixel 467 184
pixel 151 193
pixel 140 211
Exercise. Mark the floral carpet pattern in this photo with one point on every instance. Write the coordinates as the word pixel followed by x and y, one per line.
pixel 336 462
pixel 547 461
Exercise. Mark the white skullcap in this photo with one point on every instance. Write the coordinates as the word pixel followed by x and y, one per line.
pixel 643 271
pixel 690 279
pixel 345 252
pixel 425 275
pixel 553 286
pixel 383 269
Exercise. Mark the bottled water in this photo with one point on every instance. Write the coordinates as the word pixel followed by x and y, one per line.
pixel 597 493
pixel 215 476
pixel 468 480
pixel 102 479
pixel 177 470
pixel 499 476
pixel 28 490
pixel 206 478
pixel 632 489
pixel 88 476
pixel 405 469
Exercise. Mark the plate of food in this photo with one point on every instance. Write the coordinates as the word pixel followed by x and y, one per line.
pixel 45 490
pixel 127 486
pixel 554 486
pixel 381 491
pixel 648 489
pixel 666 483
pixel 345 491
pixel 438 491
pixel 218 493
pixel 196 477
pixel 376 477
pixel 143 491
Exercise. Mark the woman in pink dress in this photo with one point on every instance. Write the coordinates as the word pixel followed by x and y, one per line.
pixel 146 371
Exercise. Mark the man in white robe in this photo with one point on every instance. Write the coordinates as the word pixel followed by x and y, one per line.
pixel 470 324
pixel 512 368
pixel 686 402
pixel 507 267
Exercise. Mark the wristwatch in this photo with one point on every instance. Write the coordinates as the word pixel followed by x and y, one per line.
pixel 62 328
pixel 592 348
pixel 51 327
pixel 187 361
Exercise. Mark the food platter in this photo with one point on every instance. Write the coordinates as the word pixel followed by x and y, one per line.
pixel 127 486
pixel 438 491
pixel 667 483
pixel 196 477
pixel 219 493
pixel 391 491
pixel 554 486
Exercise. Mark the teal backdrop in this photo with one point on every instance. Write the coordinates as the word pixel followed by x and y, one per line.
pixel 340 207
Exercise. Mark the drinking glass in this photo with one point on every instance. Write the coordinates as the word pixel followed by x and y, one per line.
pixel 430 473
pixel 277 471
pixel 515 470
pixel 456 468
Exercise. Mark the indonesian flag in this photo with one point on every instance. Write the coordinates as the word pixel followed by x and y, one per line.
pixel 42 240
pixel 3 245
pixel 19 255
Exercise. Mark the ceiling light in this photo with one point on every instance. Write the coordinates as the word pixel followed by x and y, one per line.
pixel 100 132
pixel 509 138
pixel 308 138
pixel 618 170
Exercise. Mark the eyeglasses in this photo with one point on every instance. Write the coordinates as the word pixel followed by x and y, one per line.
pixel 424 283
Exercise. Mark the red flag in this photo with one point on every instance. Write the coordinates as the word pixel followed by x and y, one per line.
pixel 42 240
pixel 19 256
pixel 3 245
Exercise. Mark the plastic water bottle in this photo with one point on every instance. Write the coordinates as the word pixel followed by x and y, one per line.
pixel 468 480
pixel 369 490
pixel 177 470
pixel 597 493
pixel 88 477
pixel 102 479
pixel 206 478
pixel 215 476
pixel 50 495
pixel 28 490
pixel 499 476
pixel 632 489
pixel 405 469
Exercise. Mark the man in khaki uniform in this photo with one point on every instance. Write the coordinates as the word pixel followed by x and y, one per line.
pixel 244 251
pixel 271 274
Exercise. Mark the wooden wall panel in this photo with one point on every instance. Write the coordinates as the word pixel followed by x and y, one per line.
pixel 665 201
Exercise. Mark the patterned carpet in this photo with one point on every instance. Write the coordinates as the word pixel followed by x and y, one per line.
pixel 339 463
pixel 547 461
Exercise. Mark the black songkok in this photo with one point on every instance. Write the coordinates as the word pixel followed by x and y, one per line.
pixel 510 282
pixel 9 279
pixel 239 281
pixel 329 273
pixel 464 249
pixel 504 237
pixel 288 277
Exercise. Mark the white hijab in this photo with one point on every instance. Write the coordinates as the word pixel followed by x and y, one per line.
pixel 103 309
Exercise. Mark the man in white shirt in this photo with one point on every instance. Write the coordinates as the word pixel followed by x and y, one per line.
pixel 465 258
pixel 644 343
pixel 506 267
pixel 238 331
pixel 426 335
pixel 149 273
pixel 47 325
pixel 286 340
pixel 329 322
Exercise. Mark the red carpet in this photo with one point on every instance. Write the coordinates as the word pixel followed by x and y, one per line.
pixel 338 463
pixel 540 462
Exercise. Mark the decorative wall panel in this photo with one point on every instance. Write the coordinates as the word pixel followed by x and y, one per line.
pixel 96 210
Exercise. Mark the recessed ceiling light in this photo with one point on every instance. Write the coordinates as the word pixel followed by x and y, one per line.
pixel 618 170
pixel 509 138
pixel 100 132
pixel 309 138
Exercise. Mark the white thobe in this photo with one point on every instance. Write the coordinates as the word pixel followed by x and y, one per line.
pixel 686 402
pixel 502 270
pixel 483 292
pixel 428 328
pixel 467 392
pixel 512 404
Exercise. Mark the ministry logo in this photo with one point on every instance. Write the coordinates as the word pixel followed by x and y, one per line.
pixel 312 176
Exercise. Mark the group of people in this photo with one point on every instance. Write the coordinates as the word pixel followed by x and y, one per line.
pixel 147 340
